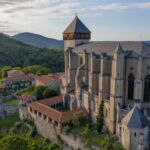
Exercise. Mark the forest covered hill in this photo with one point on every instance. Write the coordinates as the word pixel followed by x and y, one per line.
pixel 38 40
pixel 14 53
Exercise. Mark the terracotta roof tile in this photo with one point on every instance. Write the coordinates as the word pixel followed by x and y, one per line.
pixel 48 111
pixel 60 117
pixel 19 78
pixel 46 78
pixel 25 98
pixel 51 101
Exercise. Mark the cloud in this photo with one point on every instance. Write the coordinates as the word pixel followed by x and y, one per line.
pixel 23 13
pixel 7 27
pixel 123 6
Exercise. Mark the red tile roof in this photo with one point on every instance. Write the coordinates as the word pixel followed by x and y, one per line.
pixel 19 78
pixel 14 72
pixel 51 101
pixel 46 110
pixel 68 116
pixel 60 117
pixel 46 78
pixel 25 98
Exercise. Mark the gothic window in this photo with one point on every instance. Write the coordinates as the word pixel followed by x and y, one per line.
pixel 134 134
pixel 106 113
pixel 130 86
pixel 147 89
pixel 81 60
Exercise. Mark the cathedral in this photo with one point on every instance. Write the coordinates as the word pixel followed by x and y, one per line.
pixel 117 73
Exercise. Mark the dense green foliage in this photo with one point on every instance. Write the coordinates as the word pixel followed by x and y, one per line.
pixel 9 121
pixel 43 92
pixel 18 54
pixel 16 142
pixel 81 127
pixel 104 142
pixel 11 101
pixel 35 69
pixel 16 135
pixel 40 92
pixel 49 93
pixel 100 117
pixel 3 71
pixel 78 120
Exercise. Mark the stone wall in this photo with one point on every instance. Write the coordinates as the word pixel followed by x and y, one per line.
pixel 23 112
pixel 52 132
pixel 6 110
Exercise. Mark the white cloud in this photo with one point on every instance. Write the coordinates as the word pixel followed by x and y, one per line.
pixel 123 6
pixel 23 13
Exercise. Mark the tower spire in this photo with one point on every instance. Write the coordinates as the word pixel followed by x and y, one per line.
pixel 119 48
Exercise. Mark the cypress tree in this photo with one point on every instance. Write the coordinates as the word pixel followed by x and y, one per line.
pixel 100 118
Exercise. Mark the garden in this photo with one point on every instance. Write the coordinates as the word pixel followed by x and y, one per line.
pixel 22 135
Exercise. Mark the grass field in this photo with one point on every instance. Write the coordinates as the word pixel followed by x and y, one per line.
pixel 11 102
pixel 9 121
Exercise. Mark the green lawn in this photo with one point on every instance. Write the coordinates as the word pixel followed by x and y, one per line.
pixel 11 102
pixel 9 121
pixel 26 93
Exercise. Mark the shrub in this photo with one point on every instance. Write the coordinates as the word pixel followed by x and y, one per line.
pixel 38 92
pixel 66 129
pixel 100 118
pixel 17 124
pixel 79 120
pixel 49 93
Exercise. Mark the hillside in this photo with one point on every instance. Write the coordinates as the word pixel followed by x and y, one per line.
pixel 13 53
pixel 38 40
pixel 148 42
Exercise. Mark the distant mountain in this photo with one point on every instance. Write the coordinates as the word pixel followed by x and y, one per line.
pixel 148 42
pixel 38 40
pixel 15 53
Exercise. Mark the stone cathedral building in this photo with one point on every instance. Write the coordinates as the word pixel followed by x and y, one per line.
pixel 117 73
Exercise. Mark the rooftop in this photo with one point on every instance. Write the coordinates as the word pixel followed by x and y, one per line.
pixel 46 78
pixel 110 46
pixel 60 117
pixel 51 101
pixel 135 119
pixel 19 78
pixel 77 26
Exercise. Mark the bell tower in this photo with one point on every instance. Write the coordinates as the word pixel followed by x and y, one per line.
pixel 76 34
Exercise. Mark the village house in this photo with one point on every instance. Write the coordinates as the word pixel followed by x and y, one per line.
pixel 51 80
pixel 17 80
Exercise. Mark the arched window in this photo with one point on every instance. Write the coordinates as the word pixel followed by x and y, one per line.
pixel 130 86
pixel 106 113
pixel 147 89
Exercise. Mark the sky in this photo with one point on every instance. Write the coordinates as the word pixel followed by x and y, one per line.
pixel 108 20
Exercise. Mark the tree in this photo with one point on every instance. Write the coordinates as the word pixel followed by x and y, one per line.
pixel 49 93
pixel 100 118
pixel 36 69
pixel 4 71
pixel 78 119
pixel 17 143
pixel 38 92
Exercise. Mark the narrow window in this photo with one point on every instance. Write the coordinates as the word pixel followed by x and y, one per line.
pixel 134 134
pixel 130 86
pixel 147 89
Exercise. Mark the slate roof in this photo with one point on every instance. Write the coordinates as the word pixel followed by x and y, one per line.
pixel 77 26
pixel 119 48
pixel 135 119
pixel 109 47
